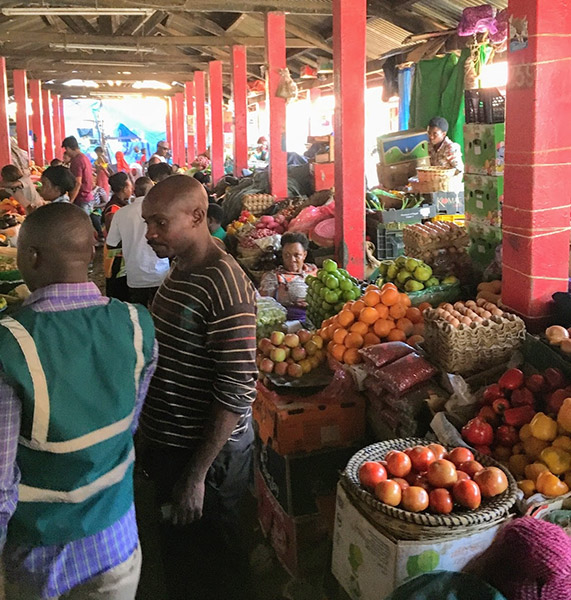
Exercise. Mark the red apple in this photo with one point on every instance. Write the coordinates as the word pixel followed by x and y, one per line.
pixel 439 450
pixel 442 474
pixel 471 467
pixel 295 370
pixel 492 481
pixel 266 366
pixel 421 457
pixel 277 338
pixel 440 501
pixel 467 493
pixel 298 354
pixel 281 369
pixel 291 340
pixel 460 455
pixel 278 355
pixel 304 335
pixel 371 473
pixel 389 492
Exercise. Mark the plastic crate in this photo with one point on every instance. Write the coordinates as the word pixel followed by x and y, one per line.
pixel 459 220
pixel 390 243
pixel 484 105
pixel 407 216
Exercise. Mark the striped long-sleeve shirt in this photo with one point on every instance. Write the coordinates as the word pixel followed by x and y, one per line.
pixel 206 329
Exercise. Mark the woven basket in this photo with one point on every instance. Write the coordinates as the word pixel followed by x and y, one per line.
pixel 434 174
pixel 408 525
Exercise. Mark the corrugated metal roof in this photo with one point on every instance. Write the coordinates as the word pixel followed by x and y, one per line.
pixel 383 36
pixel 450 11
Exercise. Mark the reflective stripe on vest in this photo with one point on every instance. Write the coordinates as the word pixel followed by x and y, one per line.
pixel 41 419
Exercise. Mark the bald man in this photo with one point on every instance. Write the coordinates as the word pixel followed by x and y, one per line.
pixel 197 417
pixel 74 370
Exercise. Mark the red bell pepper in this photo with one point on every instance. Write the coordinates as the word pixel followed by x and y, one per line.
pixel 519 416
pixel 500 405
pixel 535 383
pixel 522 397
pixel 555 400
pixel 554 379
pixel 511 379
pixel 491 393
pixel 483 450
pixel 506 435
pixel 478 432
pixel 488 414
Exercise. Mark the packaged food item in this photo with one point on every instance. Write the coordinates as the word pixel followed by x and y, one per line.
pixel 403 374
pixel 383 354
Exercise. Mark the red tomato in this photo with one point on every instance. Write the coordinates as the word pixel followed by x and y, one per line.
pixel 442 474
pixel 471 467
pixel 389 492
pixel 418 479
pixel 441 501
pixel 415 499
pixel 398 464
pixel 421 457
pixel 492 481
pixel 462 475
pixel 402 482
pixel 467 493
pixel 460 455
pixel 439 451
pixel 371 473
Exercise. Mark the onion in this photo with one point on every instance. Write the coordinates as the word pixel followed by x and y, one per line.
pixel 556 334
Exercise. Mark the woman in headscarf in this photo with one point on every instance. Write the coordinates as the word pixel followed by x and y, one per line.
pixel 122 164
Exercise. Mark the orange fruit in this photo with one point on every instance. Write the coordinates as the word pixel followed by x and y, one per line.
pixel 368 315
pixel 397 311
pixel 418 329
pixel 348 305
pixel 371 339
pixel 354 340
pixel 330 346
pixel 405 299
pixel 406 325
pixel 372 297
pixel 352 356
pixel 414 314
pixel 360 328
pixel 422 307
pixel 382 310
pixel 345 318
pixel 324 333
pixel 372 287
pixel 389 286
pixel 383 326
pixel 389 297
pixel 340 335
pixel 415 339
pixel 338 351
pixel 396 335
pixel 357 307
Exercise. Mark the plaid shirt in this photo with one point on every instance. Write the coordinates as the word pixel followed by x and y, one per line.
pixel 54 570
pixel 449 155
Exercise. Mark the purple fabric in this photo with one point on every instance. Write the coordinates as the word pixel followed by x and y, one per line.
pixel 54 570
pixel 476 19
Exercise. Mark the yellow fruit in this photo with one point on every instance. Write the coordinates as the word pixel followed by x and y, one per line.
pixel 527 487
pixel 534 446
pixel 543 427
pixel 563 442
pixel 517 464
pixel 502 453
pixel 568 478
pixel 525 432
pixel 564 415
pixel 517 448
pixel 557 460
pixel 533 470
pixel 550 485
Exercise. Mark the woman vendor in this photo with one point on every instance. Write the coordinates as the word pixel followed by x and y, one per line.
pixel 287 283
pixel 442 150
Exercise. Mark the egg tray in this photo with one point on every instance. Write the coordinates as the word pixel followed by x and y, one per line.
pixel 257 206
pixel 409 525
pixel 472 348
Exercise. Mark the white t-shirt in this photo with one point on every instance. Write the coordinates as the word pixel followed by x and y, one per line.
pixel 161 158
pixel 144 268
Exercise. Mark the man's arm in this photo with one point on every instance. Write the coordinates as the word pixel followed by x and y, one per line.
pixel 114 236
pixel 75 191
pixel 10 410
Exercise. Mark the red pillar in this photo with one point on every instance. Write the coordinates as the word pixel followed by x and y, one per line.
pixel 48 125
pixel 349 25
pixel 22 117
pixel 168 101
pixel 179 128
pixel 174 130
pixel 240 93
pixel 61 117
pixel 189 104
pixel 199 90
pixel 5 153
pixel 216 120
pixel 537 160
pixel 276 60
pixel 37 122
pixel 58 151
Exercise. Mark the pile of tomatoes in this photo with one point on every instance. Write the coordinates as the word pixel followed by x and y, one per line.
pixel 430 477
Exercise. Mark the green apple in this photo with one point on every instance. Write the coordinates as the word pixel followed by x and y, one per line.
pixel 403 275
pixel 423 273
pixel 330 265
pixel 413 286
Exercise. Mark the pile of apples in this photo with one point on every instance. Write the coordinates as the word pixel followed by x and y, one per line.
pixel 291 354
pixel 430 477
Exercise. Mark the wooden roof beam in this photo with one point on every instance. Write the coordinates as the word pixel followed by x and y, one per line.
pixel 105 24
pixel 79 24
pixel 312 38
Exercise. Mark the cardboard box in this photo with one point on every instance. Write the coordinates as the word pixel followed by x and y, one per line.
pixel 397 175
pixel 308 424
pixel 484 147
pixel 402 146
pixel 482 229
pixel 297 480
pixel 483 197
pixel 301 544
pixel 323 176
pixel 369 564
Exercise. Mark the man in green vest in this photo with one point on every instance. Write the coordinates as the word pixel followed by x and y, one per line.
pixel 74 371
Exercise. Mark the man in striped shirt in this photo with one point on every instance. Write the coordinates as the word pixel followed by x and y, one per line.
pixel 197 416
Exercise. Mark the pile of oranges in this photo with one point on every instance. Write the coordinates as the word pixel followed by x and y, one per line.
pixel 380 315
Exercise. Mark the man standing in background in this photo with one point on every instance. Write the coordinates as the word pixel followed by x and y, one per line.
pixel 80 166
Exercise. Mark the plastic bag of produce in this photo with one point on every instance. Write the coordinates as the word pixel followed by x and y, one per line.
pixel 309 217
pixel 382 354
pixel 271 315
pixel 404 373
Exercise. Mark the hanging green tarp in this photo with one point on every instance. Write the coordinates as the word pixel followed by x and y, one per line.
pixel 438 91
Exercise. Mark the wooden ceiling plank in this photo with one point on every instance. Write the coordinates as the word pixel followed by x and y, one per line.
pixel 105 24
pixel 148 25
pixel 129 25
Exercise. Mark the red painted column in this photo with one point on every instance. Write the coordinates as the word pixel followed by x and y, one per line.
pixel 58 150
pixel 216 120
pixel 5 153
pixel 240 96
pixel 190 122
pixel 48 125
pixel 37 122
pixel 199 91
pixel 349 25
pixel 61 117
pixel 276 60
pixel 174 131
pixel 22 117
pixel 168 101
pixel 537 161
pixel 180 129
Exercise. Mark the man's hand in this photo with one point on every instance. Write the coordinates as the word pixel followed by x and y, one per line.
pixel 188 499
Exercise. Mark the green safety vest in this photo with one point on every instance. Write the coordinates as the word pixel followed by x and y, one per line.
pixel 77 374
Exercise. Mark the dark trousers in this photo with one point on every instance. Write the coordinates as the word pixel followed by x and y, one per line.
pixel 205 560
pixel 142 296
